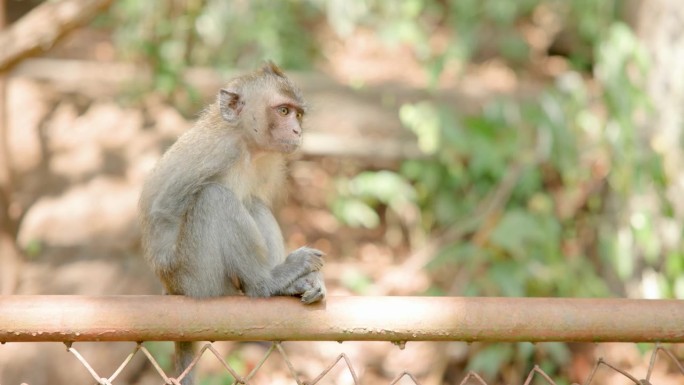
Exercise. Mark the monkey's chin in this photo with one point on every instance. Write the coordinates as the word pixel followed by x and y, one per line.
pixel 287 147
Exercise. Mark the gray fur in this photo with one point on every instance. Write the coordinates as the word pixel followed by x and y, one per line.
pixel 205 210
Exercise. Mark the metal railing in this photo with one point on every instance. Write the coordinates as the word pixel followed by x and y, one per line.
pixel 174 318
pixel 69 319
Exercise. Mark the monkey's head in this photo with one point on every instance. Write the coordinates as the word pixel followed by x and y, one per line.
pixel 266 107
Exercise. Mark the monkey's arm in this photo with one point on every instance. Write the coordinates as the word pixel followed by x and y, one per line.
pixel 310 286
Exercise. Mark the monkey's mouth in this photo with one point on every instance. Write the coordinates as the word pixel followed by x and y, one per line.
pixel 289 145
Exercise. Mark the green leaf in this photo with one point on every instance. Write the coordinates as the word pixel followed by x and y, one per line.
pixel 559 352
pixel 525 352
pixel 489 360
pixel 386 186
pixel 509 278
pixel 674 264
pixel 356 213
pixel 679 287
pixel 460 254
pixel 513 47
pixel 423 119
pixel 356 281
pixel 515 231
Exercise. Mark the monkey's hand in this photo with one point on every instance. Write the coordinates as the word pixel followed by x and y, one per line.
pixel 311 287
pixel 308 257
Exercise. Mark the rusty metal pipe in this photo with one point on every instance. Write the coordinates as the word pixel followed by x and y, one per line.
pixel 156 318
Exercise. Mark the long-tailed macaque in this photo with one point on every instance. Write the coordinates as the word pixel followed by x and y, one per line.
pixel 207 225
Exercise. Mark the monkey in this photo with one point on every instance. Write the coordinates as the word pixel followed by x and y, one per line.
pixel 206 208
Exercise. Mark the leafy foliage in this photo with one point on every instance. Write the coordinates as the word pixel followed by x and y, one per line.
pixel 558 194
pixel 548 191
pixel 543 182
pixel 172 35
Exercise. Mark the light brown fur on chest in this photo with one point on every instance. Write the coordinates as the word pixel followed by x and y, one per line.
pixel 259 175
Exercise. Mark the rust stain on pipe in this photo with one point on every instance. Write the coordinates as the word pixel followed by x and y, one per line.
pixel 162 318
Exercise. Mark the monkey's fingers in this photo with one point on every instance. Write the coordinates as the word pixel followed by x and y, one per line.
pixel 312 258
pixel 318 260
pixel 317 264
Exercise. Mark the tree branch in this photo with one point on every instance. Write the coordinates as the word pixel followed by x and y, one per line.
pixel 41 28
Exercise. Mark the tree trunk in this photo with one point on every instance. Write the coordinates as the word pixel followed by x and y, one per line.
pixel 660 26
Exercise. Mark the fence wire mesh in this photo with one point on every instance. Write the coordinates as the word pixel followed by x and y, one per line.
pixel 343 360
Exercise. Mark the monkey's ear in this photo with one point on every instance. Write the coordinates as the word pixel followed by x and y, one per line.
pixel 230 104
pixel 271 68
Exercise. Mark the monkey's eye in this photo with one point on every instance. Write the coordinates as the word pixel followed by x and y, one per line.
pixel 300 115
pixel 283 110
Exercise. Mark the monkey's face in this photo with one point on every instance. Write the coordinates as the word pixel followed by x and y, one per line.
pixel 284 125
pixel 266 108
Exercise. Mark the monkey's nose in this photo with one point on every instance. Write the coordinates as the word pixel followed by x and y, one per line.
pixel 297 131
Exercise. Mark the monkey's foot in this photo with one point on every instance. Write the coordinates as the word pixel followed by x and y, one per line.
pixel 315 294
pixel 310 287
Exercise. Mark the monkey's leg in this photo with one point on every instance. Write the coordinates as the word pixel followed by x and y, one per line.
pixel 309 286
pixel 201 269
pixel 269 229
pixel 223 236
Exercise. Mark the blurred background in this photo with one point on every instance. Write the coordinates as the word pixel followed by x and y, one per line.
pixel 454 147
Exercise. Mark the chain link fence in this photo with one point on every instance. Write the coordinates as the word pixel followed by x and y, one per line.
pixel 276 348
